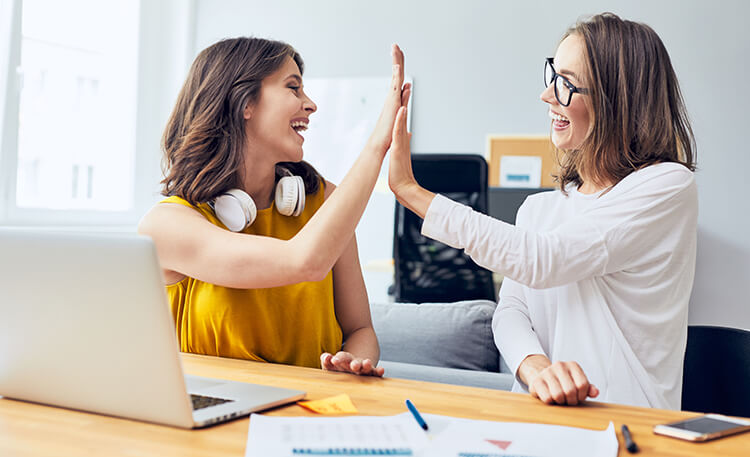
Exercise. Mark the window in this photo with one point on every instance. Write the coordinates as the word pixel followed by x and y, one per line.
pixel 74 125
pixel 76 116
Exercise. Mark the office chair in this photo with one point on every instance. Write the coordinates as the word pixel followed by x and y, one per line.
pixel 716 377
pixel 429 271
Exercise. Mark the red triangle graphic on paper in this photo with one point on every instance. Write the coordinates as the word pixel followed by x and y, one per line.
pixel 501 444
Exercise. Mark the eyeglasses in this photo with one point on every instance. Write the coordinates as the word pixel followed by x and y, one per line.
pixel 564 89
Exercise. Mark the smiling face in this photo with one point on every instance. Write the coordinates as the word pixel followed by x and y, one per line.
pixel 273 123
pixel 570 124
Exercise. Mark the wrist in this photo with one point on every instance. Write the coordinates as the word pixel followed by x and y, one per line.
pixel 406 191
pixel 531 367
pixel 377 146
pixel 414 197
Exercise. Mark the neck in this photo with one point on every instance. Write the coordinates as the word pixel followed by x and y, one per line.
pixel 258 180
pixel 590 187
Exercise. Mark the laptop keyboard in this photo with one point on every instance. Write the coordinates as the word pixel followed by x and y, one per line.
pixel 201 401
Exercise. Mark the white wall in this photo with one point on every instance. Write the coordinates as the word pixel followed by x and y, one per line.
pixel 477 69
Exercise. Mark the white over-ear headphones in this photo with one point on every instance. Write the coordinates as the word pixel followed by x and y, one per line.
pixel 236 210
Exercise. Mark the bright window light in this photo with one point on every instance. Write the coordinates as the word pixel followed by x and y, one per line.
pixel 76 130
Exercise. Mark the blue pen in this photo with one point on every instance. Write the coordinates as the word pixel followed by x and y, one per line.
pixel 415 413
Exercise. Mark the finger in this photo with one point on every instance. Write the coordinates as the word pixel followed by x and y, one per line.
pixel 396 80
pixel 406 95
pixel 355 366
pixel 569 390
pixel 562 372
pixel 398 59
pixel 555 389
pixel 399 128
pixel 342 360
pixel 325 361
pixel 541 391
pixel 593 391
pixel 367 366
pixel 581 382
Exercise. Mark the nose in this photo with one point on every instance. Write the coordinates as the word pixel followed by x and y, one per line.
pixel 309 106
pixel 548 95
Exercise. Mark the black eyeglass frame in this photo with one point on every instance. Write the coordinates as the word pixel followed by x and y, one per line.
pixel 566 81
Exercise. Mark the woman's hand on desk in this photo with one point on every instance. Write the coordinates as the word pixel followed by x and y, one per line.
pixel 348 363
pixel 562 383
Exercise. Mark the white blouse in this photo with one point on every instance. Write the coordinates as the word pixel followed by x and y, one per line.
pixel 602 279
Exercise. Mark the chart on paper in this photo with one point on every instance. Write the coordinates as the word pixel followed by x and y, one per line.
pixel 337 436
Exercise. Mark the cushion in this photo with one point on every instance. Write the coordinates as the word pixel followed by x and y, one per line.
pixel 453 335
pixel 473 378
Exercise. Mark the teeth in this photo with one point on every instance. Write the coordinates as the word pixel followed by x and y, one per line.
pixel 558 117
pixel 299 125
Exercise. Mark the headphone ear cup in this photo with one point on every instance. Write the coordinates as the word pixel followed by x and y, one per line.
pixel 287 195
pixel 235 209
pixel 300 195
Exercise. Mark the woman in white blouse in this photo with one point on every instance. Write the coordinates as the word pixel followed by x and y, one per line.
pixel 598 274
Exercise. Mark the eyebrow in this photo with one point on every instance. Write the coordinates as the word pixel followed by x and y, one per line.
pixel 569 73
pixel 297 78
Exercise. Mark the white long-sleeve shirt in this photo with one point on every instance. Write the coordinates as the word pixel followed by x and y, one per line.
pixel 602 279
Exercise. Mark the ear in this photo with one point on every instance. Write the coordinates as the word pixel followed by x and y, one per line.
pixel 248 111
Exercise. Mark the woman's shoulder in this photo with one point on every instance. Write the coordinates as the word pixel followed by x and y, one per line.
pixel 543 198
pixel 669 171
pixel 314 200
pixel 666 176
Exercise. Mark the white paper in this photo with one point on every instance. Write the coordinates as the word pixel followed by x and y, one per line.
pixel 451 437
pixel 447 437
pixel 520 171
pixel 271 436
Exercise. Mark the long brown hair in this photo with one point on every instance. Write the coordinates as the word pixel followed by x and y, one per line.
pixel 204 137
pixel 639 116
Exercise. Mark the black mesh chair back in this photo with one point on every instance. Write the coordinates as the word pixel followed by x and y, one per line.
pixel 716 377
pixel 430 271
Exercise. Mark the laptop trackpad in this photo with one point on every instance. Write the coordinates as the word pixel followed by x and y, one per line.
pixel 195 383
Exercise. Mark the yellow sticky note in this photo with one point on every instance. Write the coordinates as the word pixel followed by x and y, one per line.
pixel 340 404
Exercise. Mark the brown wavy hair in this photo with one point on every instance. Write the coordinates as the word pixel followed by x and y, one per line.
pixel 639 116
pixel 204 137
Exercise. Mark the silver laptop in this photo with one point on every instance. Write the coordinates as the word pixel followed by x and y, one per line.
pixel 84 324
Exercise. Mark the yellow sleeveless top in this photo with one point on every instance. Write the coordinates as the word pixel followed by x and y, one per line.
pixel 290 324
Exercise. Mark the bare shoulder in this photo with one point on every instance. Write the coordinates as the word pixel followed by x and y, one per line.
pixel 172 227
pixel 167 216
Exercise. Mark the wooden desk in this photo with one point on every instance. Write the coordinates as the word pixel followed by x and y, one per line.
pixel 34 430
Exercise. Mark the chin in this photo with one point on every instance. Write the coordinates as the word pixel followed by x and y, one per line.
pixel 560 143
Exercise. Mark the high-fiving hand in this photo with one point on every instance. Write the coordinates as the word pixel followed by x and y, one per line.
pixel 400 174
pixel 398 96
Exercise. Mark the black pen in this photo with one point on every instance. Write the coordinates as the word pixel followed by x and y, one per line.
pixel 629 443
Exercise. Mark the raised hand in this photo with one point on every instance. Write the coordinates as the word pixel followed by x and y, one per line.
pixel 348 363
pixel 400 174
pixel 398 96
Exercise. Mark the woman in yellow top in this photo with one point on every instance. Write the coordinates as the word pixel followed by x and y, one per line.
pixel 258 251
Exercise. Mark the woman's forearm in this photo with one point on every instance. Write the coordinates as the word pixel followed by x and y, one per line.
pixel 362 343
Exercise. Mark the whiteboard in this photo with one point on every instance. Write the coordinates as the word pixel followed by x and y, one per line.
pixel 348 109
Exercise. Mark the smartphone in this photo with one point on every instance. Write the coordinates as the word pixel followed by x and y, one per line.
pixel 703 428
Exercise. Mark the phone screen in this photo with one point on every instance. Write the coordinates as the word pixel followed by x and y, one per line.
pixel 705 425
